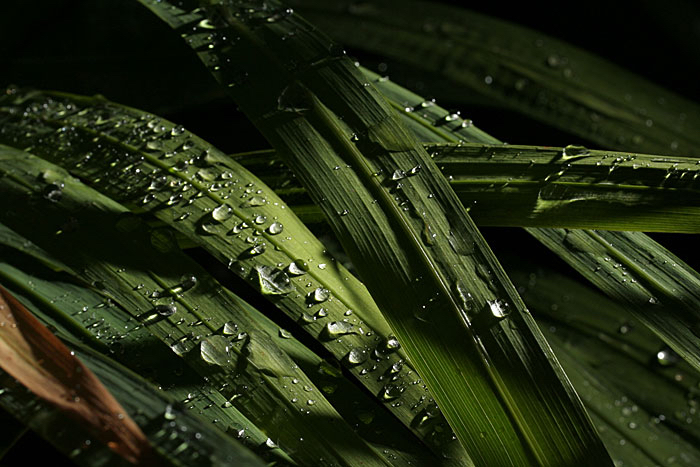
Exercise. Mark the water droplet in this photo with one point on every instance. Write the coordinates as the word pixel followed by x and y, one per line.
pixel 270 444
pixel 365 416
pixel 356 356
pixel 284 334
pixel 297 267
pixel 273 281
pixel 574 151
pixel 158 183
pixel 415 170
pixel 310 402
pixel 165 310
pixel 338 328
pixel 256 250
pixel 214 350
pixel 498 308
pixel 391 392
pixel 53 192
pixel 320 295
pixel 222 213
pixel 259 219
pixel 178 130
pixel 666 357
pixel 230 328
pixel 255 201
pixel 275 228
pixel 398 174
pixel 392 344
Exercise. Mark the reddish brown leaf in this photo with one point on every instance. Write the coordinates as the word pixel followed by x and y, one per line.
pixel 39 361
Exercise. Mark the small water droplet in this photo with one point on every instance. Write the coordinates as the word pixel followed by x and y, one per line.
pixel 666 357
pixel 284 334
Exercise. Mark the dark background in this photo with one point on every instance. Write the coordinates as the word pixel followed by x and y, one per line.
pixel 118 49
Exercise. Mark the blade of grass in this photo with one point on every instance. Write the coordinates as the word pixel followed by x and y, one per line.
pixel 517 68
pixel 308 92
pixel 113 156
pixel 64 300
pixel 532 186
pixel 660 289
pixel 664 325
pixel 190 316
pixel 617 352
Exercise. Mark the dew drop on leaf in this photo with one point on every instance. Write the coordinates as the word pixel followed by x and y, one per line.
pixel 297 267
pixel 275 228
pixel 273 281
pixel 222 213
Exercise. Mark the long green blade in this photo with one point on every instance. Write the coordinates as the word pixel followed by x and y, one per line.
pixel 532 186
pixel 507 65
pixel 636 243
pixel 660 289
pixel 485 364
pixel 154 166
pixel 196 318
pixel 656 391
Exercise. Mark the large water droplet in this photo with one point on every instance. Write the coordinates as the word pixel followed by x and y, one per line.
pixel 356 356
pixel 165 310
pixel 320 295
pixel 391 392
pixel 297 267
pixel 498 308
pixel 214 350
pixel 53 192
pixel 574 151
pixel 222 213
pixel 338 328
pixel 273 281
pixel 275 228
pixel 230 328
pixel 255 201
pixel 256 250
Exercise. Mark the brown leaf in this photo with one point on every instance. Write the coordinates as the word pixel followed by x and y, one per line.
pixel 39 361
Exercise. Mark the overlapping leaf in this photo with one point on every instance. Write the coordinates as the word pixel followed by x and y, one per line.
pixel 470 55
pixel 311 104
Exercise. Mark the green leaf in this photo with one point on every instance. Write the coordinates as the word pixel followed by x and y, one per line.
pixel 139 160
pixel 650 401
pixel 660 289
pixel 192 316
pixel 532 186
pixel 488 367
pixel 463 54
